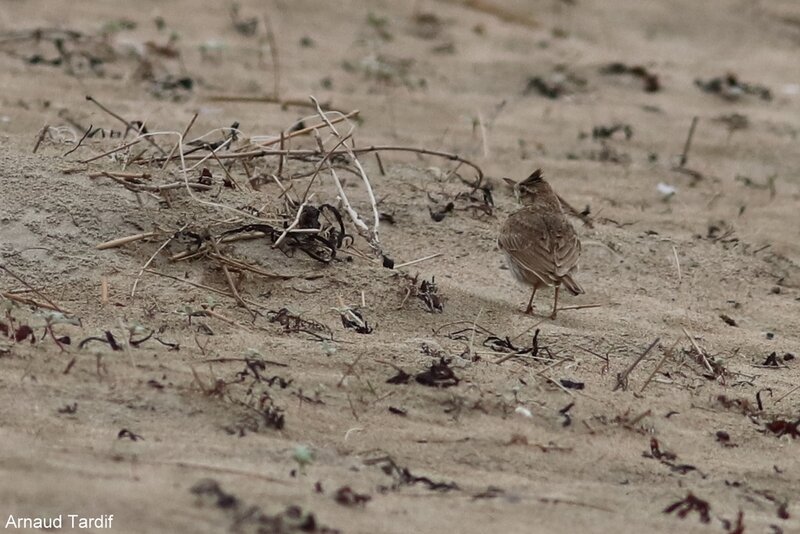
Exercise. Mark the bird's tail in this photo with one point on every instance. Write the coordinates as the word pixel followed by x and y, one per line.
pixel 574 287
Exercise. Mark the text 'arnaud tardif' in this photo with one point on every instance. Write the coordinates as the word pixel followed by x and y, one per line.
pixel 61 521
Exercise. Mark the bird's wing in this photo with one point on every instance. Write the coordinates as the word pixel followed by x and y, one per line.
pixel 545 245
pixel 526 240
pixel 566 246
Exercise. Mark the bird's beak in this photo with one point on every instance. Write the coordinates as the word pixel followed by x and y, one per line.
pixel 509 181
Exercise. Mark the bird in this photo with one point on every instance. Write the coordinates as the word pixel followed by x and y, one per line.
pixel 540 244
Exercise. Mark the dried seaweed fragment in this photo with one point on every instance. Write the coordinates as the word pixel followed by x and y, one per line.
pixel 691 503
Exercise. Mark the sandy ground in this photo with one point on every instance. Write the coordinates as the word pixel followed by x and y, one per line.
pixel 451 76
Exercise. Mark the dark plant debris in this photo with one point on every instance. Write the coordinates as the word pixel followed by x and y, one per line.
pixel 668 458
pixel 561 82
pixel 440 375
pixel 730 87
pixel 571 384
pixel 649 79
pixel 727 319
pixel 782 427
pixel 427 292
pixel 244 518
pixel 607 132
pixel 690 504
pixel 724 439
pixel 347 497
pixel 403 477
pixel 294 323
pixel 353 319
pixel 736 527
pixel 125 433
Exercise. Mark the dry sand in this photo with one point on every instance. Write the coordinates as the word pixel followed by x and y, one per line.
pixel 455 80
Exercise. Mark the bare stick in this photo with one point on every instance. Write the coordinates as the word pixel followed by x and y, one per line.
pixel 246 267
pixel 273 50
pixel 34 290
pixel 688 144
pixel 113 151
pixel 183 136
pixel 120 241
pixel 291 226
pixel 225 170
pixel 677 263
pixel 786 394
pixel 380 163
pixel 282 156
pixel 699 351
pixel 31 302
pixel 128 124
pixel 103 290
pixel 156 188
pixel 419 260
pixel 323 161
pixel 150 260
pixel 80 142
pixel 269 99
pixel 581 307
pixel 214 469
pixel 374 239
pixel 40 137
pixel 359 150
pixel 667 354
pixel 229 279
pixel 622 378
pixel 201 286
pixel 360 225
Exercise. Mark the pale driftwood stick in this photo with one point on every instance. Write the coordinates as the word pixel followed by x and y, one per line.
pixel 120 241
pixel 183 136
pixel 419 260
pixel 623 377
pixel 150 260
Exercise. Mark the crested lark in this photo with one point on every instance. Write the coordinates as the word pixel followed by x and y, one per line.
pixel 540 245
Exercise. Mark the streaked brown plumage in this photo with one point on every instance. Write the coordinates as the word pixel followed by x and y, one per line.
pixel 540 244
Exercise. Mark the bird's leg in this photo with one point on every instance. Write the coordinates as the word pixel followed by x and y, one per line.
pixel 555 303
pixel 529 309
